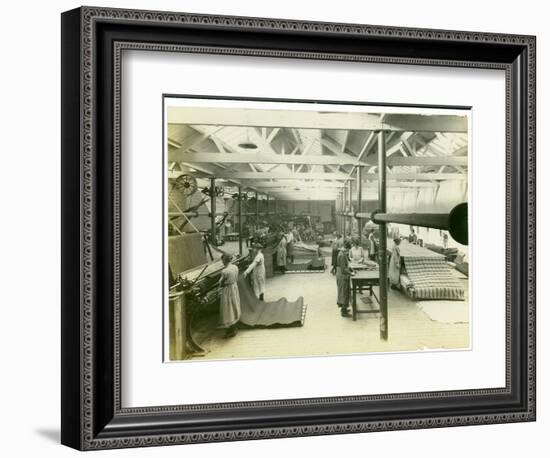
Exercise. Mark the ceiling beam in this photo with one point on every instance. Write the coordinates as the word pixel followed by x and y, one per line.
pixel 426 123
pixel 330 185
pixel 417 160
pixel 326 176
pixel 279 175
pixel 205 170
pixel 192 141
pixel 267 158
pixel 261 158
pixel 316 119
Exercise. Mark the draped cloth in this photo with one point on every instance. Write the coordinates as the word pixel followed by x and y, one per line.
pixel 280 313
pixel 185 252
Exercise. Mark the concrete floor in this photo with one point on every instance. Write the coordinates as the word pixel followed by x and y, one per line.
pixel 325 332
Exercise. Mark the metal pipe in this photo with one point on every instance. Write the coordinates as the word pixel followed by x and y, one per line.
pixel 191 214
pixel 359 206
pixel 196 213
pixel 433 220
pixel 240 210
pixel 456 221
pixel 382 254
pixel 213 211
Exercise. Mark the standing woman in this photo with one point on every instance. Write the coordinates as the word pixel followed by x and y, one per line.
pixel 257 267
pixel 289 246
pixel 372 246
pixel 343 275
pixel 296 234
pixel 395 263
pixel 281 254
pixel 337 244
pixel 230 302
pixel 356 254
pixel 412 236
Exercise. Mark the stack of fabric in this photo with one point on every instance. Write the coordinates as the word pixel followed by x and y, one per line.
pixel 316 264
pixel 430 278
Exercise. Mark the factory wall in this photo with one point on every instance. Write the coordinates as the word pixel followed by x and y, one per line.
pixel 321 208
pixel 440 199
pixel 437 199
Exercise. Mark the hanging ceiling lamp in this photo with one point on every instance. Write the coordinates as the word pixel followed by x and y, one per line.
pixel 248 144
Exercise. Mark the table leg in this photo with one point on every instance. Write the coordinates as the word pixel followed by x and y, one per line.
pixel 354 302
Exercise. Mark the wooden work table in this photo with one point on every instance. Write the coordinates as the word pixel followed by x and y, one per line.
pixel 364 279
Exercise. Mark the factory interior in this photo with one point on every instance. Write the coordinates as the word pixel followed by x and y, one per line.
pixel 313 209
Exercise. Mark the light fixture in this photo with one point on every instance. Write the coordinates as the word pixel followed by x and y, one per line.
pixel 248 144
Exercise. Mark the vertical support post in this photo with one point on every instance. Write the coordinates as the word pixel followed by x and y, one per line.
pixel 213 211
pixel 240 210
pixel 257 208
pixel 350 207
pixel 382 253
pixel 337 210
pixel 359 207
pixel 267 204
pixel 344 209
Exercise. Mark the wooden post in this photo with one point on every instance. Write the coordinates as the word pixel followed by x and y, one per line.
pixel 177 317
pixel 350 199
pixel 213 211
pixel 344 200
pixel 336 213
pixel 359 207
pixel 240 209
pixel 382 250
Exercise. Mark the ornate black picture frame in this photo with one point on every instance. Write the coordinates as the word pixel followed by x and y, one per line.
pixel 92 42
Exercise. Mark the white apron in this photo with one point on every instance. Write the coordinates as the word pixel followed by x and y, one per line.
pixel 230 303
pixel 257 267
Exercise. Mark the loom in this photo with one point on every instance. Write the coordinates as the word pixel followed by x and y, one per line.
pixel 195 289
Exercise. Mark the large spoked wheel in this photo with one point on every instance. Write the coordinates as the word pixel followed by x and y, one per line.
pixel 186 184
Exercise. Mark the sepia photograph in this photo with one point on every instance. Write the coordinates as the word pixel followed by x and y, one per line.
pixel 281 226
pixel 314 228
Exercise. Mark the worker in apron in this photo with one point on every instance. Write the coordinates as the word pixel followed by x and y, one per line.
pixel 281 254
pixel 230 303
pixel 256 270
pixel 343 276
pixel 289 246
pixel 395 264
